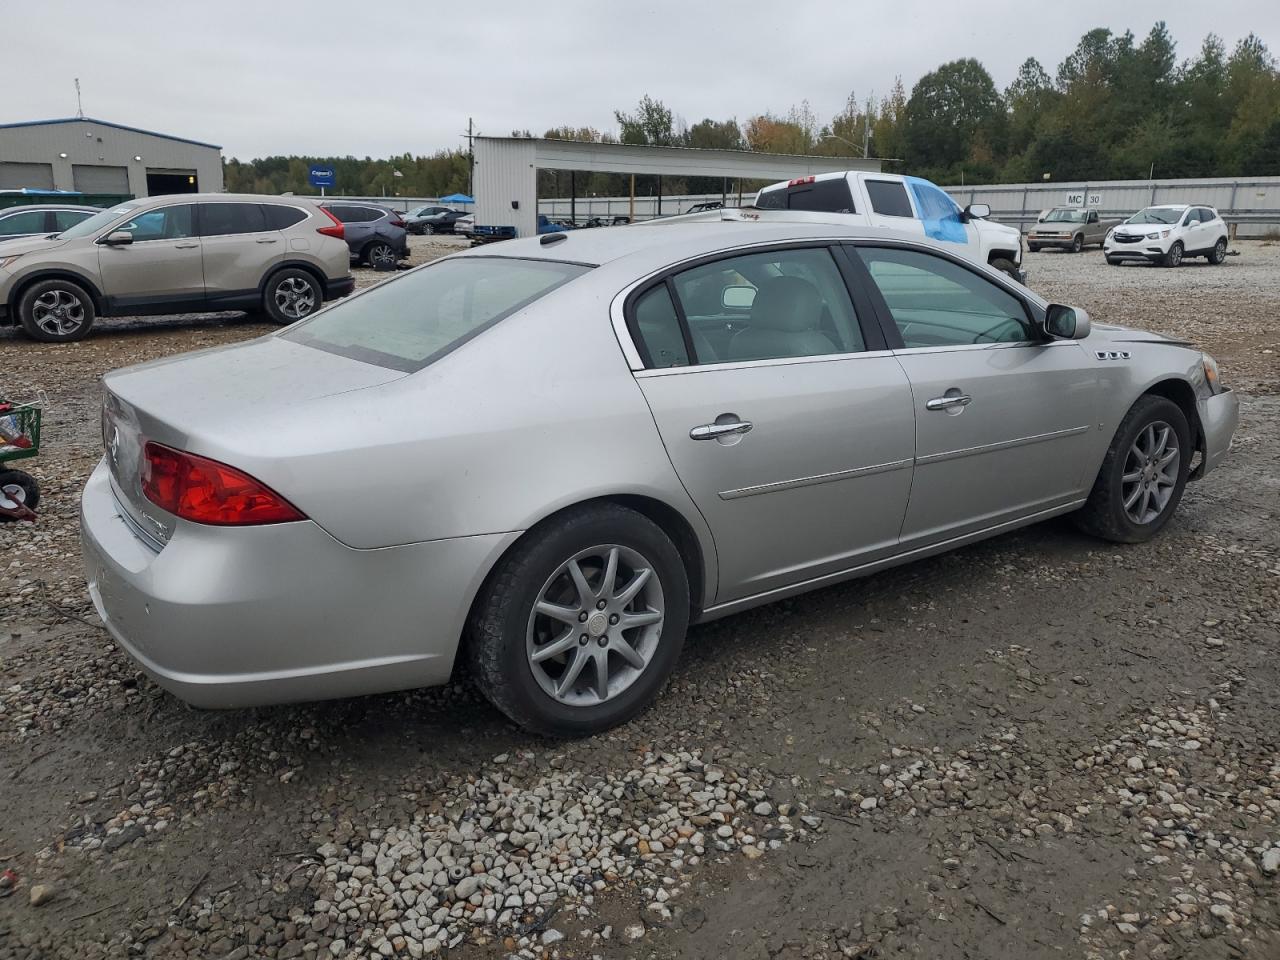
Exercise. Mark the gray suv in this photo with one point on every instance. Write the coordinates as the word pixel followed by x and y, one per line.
pixel 375 235
pixel 176 254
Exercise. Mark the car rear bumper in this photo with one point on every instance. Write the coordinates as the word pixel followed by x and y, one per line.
pixel 334 289
pixel 244 616
pixel 1219 416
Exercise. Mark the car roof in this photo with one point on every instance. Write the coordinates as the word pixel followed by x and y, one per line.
pixel 661 244
pixel 47 206
pixel 216 197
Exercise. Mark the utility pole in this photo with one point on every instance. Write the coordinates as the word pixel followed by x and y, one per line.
pixel 471 158
pixel 866 131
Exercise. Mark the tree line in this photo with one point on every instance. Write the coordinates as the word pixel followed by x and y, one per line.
pixel 1115 109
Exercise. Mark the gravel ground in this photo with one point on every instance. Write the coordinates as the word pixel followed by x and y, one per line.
pixel 1038 746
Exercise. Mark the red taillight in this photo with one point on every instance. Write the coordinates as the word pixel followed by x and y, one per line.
pixel 799 180
pixel 205 491
pixel 396 222
pixel 336 229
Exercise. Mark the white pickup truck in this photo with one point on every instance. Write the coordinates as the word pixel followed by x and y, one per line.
pixel 910 204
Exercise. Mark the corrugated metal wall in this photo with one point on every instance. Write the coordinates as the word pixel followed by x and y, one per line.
pixel 1251 203
pixel 504 174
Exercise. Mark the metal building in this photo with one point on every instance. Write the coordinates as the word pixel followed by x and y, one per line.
pixel 97 157
pixel 506 170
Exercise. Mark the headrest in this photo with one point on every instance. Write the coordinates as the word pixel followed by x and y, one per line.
pixel 786 303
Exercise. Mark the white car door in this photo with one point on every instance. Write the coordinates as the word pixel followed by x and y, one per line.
pixel 918 206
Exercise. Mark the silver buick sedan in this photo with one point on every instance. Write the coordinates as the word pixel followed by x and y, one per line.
pixel 547 458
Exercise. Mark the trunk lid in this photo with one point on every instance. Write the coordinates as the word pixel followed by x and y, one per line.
pixel 213 402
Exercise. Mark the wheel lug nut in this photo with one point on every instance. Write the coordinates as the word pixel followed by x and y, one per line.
pixel 582 617
pixel 613 618
pixel 583 639
pixel 600 604
pixel 603 641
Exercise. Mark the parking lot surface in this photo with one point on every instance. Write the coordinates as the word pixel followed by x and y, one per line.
pixel 1038 746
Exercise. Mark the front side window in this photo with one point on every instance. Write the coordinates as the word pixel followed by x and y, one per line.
pixel 165 223
pixel 767 306
pixel 411 322
pixel 28 221
pixel 223 219
pixel 936 302
pixel 1207 215
pixel 889 198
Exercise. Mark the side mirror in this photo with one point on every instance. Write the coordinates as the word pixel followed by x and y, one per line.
pixel 1066 323
pixel 977 211
pixel 118 238
pixel 738 297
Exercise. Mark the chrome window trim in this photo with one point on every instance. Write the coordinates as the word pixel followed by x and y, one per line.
pixel 645 374
pixel 1002 345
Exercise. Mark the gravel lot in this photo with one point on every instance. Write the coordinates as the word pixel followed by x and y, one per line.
pixel 1038 746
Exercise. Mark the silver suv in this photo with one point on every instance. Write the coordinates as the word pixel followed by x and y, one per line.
pixel 191 253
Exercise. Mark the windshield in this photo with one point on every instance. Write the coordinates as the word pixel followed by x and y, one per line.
pixel 86 228
pixel 412 322
pixel 1156 215
pixel 1065 216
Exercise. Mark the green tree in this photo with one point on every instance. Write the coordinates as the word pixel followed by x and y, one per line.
pixel 948 109
pixel 652 124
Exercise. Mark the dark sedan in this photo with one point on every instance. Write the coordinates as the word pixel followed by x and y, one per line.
pixel 432 219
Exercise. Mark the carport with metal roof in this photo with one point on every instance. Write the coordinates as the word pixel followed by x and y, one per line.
pixel 506 170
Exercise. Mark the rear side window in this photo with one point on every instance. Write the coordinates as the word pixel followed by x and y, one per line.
pixel 822 196
pixel 348 214
pixel 66 219
pixel 222 219
pixel 280 217
pixel 889 198
pixel 657 330
pixel 409 323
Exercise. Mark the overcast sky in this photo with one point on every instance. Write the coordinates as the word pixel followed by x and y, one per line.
pixel 337 77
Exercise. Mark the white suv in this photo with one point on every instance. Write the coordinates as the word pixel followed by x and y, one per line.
pixel 1167 234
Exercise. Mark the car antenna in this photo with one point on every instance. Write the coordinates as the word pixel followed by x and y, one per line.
pixel 549 238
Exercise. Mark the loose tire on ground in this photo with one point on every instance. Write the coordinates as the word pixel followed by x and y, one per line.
pixel 56 311
pixel 290 295
pixel 1104 515
pixel 501 630
pixel 20 487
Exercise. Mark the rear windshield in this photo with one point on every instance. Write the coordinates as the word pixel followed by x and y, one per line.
pixel 823 196
pixel 418 318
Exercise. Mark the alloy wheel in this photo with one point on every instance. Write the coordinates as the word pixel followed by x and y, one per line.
pixel 595 625
pixel 381 253
pixel 1175 255
pixel 295 298
pixel 1150 472
pixel 58 313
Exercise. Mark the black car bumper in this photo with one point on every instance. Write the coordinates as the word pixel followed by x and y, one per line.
pixel 336 289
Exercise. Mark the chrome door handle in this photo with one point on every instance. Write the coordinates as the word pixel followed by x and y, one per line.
pixel 712 431
pixel 946 403
pixel 185 246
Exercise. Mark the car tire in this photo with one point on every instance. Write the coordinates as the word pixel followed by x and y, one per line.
pixel 1128 504
pixel 1077 243
pixel 20 487
pixel 1005 266
pixel 428 229
pixel 1033 248
pixel 1174 257
pixel 379 252
pixel 56 311
pixel 290 295
pixel 506 631
pixel 1219 252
